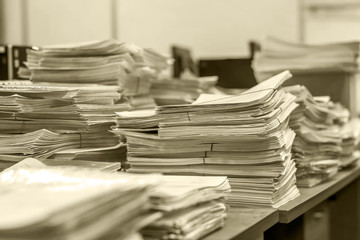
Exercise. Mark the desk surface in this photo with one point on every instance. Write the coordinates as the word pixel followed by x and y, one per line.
pixel 310 197
pixel 250 223
pixel 246 223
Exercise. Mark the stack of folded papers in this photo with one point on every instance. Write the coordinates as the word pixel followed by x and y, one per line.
pixel 27 107
pixel 108 62
pixel 245 137
pixel 327 69
pixel 38 120
pixel 325 138
pixel 93 203
pixel 74 203
pixel 43 143
pixel 74 92
pixel 196 208
pixel 278 55
pixel 167 91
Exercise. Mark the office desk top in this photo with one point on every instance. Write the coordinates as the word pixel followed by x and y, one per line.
pixel 310 197
pixel 246 223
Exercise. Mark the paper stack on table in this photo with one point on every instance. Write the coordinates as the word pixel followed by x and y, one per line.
pixel 192 207
pixel 328 69
pixel 77 88
pixel 168 91
pixel 245 137
pixel 102 158
pixel 38 120
pixel 103 62
pixel 277 55
pixel 95 205
pixel 74 203
pixel 43 143
pixel 325 138
pixel 27 107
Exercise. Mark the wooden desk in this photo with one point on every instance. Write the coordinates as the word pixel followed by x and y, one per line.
pixel 310 197
pixel 246 223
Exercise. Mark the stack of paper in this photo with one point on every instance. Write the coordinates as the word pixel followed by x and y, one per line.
pixel 27 107
pixel 39 120
pixel 74 92
pixel 108 62
pixel 277 55
pixel 73 203
pixel 144 101
pixel 350 136
pixel 245 137
pixel 44 143
pixel 325 69
pixel 103 158
pixel 323 140
pixel 168 91
pixel 195 209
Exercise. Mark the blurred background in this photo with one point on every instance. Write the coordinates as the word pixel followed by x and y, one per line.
pixel 211 28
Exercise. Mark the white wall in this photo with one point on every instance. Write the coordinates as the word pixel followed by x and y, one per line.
pixel 331 21
pixel 209 27
pixel 12 27
pixel 57 21
pixel 61 21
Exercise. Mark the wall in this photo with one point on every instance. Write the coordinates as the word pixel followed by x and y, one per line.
pixel 43 22
pixel 11 22
pixel 331 21
pixel 209 27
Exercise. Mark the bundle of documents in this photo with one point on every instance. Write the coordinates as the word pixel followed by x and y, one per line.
pixel 350 136
pixel 277 55
pixel 245 137
pixel 334 65
pixel 108 62
pixel 144 101
pixel 97 165
pixel 74 203
pixel 325 139
pixel 111 158
pixel 195 209
pixel 113 153
pixel 41 119
pixel 28 107
pixel 44 143
pixel 167 91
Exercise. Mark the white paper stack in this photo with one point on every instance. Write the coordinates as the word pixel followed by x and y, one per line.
pixel 328 69
pixel 27 107
pixel 168 91
pixel 194 209
pixel 325 138
pixel 108 62
pixel 73 203
pixel 76 88
pixel 44 143
pixel 245 137
pixel 39 120
pixel 277 55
